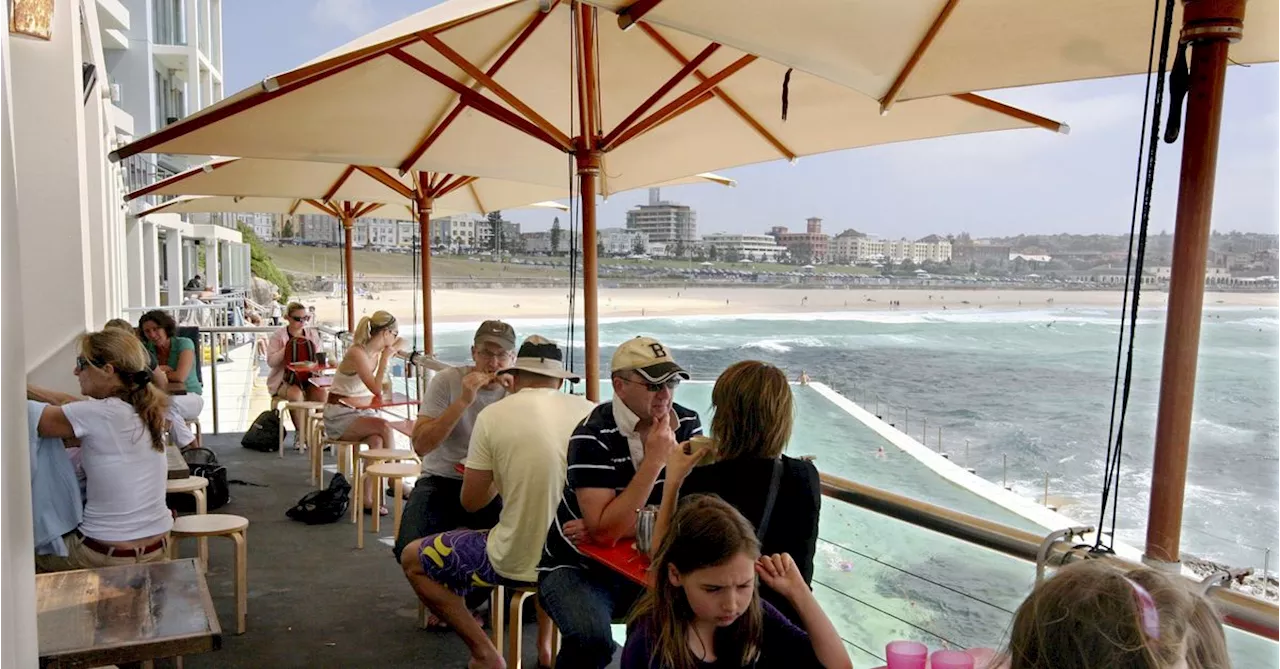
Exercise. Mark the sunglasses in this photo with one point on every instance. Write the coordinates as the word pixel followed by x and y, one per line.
pixel 669 384
pixel 299 319
pixel 82 362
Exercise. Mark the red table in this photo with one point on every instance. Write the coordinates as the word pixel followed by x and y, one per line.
pixel 310 367
pixel 622 558
pixel 367 402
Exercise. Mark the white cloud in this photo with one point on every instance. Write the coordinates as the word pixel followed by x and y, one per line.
pixel 354 16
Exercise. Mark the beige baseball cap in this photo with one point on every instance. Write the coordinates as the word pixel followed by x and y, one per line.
pixel 647 357
pixel 498 333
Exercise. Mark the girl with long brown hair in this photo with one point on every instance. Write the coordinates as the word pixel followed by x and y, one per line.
pixel 1095 614
pixel 780 495
pixel 704 610
pixel 120 428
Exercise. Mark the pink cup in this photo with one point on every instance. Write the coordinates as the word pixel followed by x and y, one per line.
pixel 951 659
pixel 906 655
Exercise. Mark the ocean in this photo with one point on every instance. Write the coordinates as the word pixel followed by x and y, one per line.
pixel 1032 386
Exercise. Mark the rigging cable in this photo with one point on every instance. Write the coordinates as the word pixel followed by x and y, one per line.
pixel 573 185
pixel 1140 218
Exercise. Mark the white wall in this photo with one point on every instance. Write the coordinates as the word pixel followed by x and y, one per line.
pixel 18 645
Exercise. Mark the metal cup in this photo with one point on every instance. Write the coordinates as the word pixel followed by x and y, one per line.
pixel 646 518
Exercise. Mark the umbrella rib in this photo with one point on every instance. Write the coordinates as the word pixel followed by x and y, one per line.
pixel 445 189
pixel 506 55
pixel 381 176
pixel 724 97
pixel 366 210
pixel 164 183
pixel 488 81
pixel 326 207
pixel 630 15
pixel 333 190
pixel 886 103
pixel 1014 112
pixel 671 83
pixel 479 102
pixel 690 99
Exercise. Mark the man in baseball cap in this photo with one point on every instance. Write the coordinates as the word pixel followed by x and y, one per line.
pixel 442 433
pixel 517 451
pixel 615 465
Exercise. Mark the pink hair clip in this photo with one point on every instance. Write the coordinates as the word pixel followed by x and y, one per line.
pixel 1147 610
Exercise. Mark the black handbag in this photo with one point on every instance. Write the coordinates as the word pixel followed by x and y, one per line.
pixel 202 462
pixel 264 434
pixel 323 506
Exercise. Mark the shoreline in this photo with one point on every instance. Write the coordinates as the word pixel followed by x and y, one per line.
pixel 465 306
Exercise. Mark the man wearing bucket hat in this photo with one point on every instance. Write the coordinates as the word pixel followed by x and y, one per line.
pixel 518 450
pixel 615 466
pixel 447 412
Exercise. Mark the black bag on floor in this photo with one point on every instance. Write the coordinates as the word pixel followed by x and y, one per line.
pixel 202 462
pixel 323 506
pixel 264 434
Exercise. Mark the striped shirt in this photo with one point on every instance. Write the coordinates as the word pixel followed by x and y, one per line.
pixel 600 457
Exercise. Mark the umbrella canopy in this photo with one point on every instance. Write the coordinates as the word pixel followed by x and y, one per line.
pixel 923 48
pixel 541 91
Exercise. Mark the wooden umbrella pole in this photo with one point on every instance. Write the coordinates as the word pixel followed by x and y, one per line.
pixel 588 173
pixel 1211 25
pixel 424 205
pixel 348 232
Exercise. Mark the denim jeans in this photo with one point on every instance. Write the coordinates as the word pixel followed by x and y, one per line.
pixel 583 603
pixel 435 506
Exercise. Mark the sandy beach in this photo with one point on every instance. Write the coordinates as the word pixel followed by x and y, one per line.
pixel 473 305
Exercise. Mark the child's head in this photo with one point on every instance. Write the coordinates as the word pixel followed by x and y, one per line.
pixel 1095 614
pixel 704 572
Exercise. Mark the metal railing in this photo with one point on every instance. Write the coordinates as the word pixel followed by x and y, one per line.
pixel 1238 609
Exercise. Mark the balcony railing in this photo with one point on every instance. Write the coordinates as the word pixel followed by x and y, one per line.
pixel 140 171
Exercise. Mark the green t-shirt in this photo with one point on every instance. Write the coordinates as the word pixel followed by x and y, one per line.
pixel 176 346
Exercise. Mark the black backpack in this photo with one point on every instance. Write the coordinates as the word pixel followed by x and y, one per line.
pixel 264 434
pixel 202 462
pixel 323 506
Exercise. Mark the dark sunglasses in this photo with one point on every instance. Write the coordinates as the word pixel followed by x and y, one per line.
pixel 669 384
pixel 299 319
pixel 82 362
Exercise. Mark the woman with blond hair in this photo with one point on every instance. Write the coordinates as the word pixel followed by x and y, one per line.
pixel 780 495
pixel 120 428
pixel 360 374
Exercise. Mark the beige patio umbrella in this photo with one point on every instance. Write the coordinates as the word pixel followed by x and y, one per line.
pixel 541 92
pixel 899 51
pixel 348 192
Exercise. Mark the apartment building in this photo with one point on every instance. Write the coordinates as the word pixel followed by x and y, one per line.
pixel 810 246
pixel 619 242
pixel 733 247
pixel 664 222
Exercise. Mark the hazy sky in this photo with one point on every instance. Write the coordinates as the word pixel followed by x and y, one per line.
pixel 1029 181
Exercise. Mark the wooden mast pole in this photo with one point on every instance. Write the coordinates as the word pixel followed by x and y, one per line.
pixel 587 155
pixel 1211 26
pixel 348 225
pixel 424 203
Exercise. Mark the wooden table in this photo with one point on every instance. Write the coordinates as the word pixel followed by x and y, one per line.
pixel 622 558
pixel 131 613
pixel 396 400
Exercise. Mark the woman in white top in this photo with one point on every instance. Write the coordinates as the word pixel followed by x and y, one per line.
pixel 120 429
pixel 360 374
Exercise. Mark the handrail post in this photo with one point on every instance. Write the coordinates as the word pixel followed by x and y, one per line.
pixel 213 376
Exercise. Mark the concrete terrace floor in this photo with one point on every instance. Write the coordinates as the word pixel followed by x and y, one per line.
pixel 314 599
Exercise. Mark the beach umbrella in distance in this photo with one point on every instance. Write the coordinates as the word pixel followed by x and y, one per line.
pixel 348 192
pixel 543 91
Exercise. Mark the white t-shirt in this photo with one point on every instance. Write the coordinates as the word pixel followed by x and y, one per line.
pixel 524 440
pixel 125 477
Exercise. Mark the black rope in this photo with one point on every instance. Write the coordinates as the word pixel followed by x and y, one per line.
pixel 1138 227
pixel 786 93
pixel 574 64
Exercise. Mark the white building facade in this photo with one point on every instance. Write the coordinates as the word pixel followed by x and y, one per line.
pixel 618 242
pixel 876 249
pixel 761 248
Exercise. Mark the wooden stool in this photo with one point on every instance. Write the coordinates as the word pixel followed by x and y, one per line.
pixel 373 456
pixel 220 525
pixel 303 431
pixel 195 423
pixel 194 485
pixel 342 450
pixel 397 471
pixel 514 641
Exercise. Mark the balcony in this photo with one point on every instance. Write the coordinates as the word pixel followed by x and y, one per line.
pixel 878 576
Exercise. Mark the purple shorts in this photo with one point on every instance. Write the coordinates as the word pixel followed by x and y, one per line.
pixel 457 560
